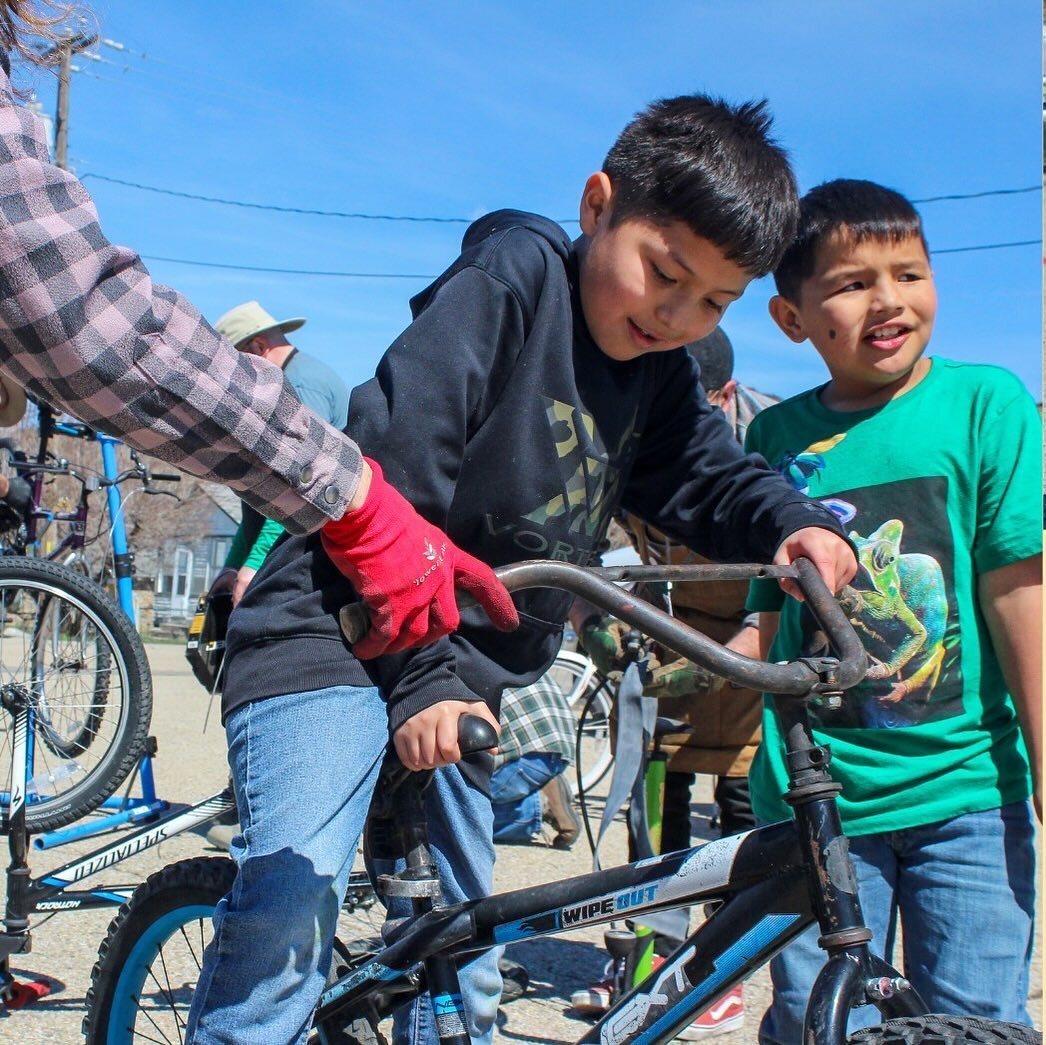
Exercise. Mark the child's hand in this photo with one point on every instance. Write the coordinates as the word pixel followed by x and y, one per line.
pixel 429 739
pixel 832 556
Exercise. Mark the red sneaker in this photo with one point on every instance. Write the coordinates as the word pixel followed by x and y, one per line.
pixel 722 1016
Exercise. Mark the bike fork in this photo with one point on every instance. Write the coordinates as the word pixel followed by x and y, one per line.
pixel 852 976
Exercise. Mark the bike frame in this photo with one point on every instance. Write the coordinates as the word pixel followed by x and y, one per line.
pixel 775 881
pixel 55 891
pixel 759 874
pixel 123 809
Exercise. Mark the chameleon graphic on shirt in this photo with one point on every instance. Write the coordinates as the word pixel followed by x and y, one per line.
pixel 908 590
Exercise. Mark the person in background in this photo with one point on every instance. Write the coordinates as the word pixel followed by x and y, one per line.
pixel 536 747
pixel 16 494
pixel 249 328
pixel 725 719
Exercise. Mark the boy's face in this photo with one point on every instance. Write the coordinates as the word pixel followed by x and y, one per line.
pixel 647 287
pixel 868 309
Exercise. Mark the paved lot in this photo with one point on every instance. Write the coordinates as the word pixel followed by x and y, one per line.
pixel 191 766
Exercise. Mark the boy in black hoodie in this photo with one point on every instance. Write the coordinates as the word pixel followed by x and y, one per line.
pixel 541 385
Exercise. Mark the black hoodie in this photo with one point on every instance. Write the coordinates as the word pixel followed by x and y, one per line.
pixel 498 417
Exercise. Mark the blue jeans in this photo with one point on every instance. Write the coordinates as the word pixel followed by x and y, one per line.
pixel 964 890
pixel 304 767
pixel 514 789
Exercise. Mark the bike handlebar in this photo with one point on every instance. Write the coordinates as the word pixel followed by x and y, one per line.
pixel 600 586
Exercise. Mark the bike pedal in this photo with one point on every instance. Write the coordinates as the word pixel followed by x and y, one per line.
pixel 20 994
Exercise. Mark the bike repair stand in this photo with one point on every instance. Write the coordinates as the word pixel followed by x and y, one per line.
pixel 15 939
pixel 126 810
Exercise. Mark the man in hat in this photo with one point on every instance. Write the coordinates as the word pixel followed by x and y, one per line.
pixel 254 331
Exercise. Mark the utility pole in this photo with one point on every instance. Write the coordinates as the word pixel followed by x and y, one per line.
pixel 64 50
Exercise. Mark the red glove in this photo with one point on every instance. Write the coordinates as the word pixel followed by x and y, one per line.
pixel 406 570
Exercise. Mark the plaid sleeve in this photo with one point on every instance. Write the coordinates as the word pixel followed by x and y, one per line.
pixel 83 326
pixel 537 717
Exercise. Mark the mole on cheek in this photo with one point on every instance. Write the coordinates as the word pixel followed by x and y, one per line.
pixel 831 334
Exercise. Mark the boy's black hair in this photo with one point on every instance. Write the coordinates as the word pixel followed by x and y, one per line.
pixel 713 166
pixel 863 208
pixel 715 356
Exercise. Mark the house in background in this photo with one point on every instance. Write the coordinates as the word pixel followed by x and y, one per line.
pixel 185 558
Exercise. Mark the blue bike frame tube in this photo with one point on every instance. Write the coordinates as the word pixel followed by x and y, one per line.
pixel 737 939
pixel 121 556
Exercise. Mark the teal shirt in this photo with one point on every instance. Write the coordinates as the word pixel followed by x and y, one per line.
pixel 934 488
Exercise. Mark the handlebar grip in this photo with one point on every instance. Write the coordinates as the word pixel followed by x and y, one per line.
pixel 475 734
pixel 354 617
pixel 165 477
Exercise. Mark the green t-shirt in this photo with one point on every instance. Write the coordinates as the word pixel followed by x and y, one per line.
pixel 934 488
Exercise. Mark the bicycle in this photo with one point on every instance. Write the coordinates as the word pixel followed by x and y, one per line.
pixel 590 696
pixel 770 883
pixel 60 890
pixel 116 570
pixel 66 654
pixel 74 724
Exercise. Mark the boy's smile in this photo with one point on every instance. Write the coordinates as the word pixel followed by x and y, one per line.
pixel 868 309
pixel 647 287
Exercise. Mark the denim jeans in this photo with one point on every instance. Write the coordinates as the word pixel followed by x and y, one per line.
pixel 304 767
pixel 964 892
pixel 514 789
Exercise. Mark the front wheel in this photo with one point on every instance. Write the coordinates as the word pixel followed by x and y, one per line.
pixel 72 660
pixel 150 960
pixel 946 1030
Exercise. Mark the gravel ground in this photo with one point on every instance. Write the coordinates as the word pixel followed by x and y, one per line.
pixel 191 766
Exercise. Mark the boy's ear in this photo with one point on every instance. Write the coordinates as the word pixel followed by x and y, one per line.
pixel 787 317
pixel 595 201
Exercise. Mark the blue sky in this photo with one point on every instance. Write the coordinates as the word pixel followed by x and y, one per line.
pixel 450 110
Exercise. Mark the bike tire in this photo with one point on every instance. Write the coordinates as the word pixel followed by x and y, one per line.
pixel 149 962
pixel 946 1030
pixel 63 786
pixel 158 937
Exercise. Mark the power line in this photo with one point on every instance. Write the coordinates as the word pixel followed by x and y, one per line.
pixel 980 195
pixel 421 275
pixel 313 212
pixel 275 207
pixel 288 272
pixel 989 246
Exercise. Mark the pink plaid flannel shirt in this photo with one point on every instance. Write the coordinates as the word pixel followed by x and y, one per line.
pixel 83 326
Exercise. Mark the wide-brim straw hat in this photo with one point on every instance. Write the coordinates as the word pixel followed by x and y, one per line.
pixel 249 320
pixel 12 402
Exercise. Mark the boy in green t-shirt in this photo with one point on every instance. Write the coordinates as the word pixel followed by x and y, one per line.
pixel 934 469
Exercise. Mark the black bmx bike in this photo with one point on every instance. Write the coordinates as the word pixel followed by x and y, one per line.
pixel 768 884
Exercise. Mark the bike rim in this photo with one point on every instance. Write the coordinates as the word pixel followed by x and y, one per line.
pixel 180 953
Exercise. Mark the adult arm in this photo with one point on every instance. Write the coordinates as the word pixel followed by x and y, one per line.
pixel 83 326
pixel 1011 600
